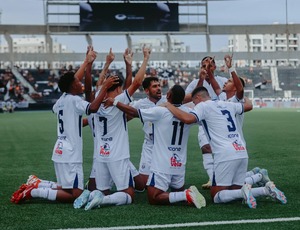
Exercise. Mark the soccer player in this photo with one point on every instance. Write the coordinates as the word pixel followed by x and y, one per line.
pixel 230 153
pixel 204 80
pixel 169 152
pixel 154 98
pixel 67 152
pixel 112 160
pixel 233 90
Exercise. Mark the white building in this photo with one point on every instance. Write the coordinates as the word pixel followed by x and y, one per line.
pixel 266 43
pixel 33 44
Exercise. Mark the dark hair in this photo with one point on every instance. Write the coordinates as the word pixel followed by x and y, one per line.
pixel 206 58
pixel 66 81
pixel 200 89
pixel 178 94
pixel 147 81
pixel 120 80
pixel 243 81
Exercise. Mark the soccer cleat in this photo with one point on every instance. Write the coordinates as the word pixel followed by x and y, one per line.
pixel 25 194
pixel 195 197
pixel 96 200
pixel 33 180
pixel 265 178
pixel 207 185
pixel 248 197
pixel 82 199
pixel 16 194
pixel 256 170
pixel 275 192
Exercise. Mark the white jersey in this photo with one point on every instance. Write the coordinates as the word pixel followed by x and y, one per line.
pixel 91 122
pixel 239 117
pixel 170 137
pixel 111 132
pixel 69 110
pixel 219 122
pixel 145 103
pixel 221 81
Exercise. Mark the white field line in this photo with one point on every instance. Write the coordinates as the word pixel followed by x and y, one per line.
pixel 194 224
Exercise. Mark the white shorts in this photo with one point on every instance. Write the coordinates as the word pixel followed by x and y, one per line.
pixel 117 171
pixel 164 181
pixel 202 138
pixel 145 161
pixel 133 170
pixel 93 171
pixel 69 175
pixel 229 173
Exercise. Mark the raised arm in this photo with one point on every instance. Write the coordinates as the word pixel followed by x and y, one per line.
pixel 248 106
pixel 214 84
pixel 185 117
pixel 89 58
pixel 88 80
pixel 236 80
pixel 128 54
pixel 139 77
pixel 94 106
pixel 110 57
pixel 202 75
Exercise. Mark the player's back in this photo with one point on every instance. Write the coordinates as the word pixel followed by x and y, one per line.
pixel 170 140
pixel 219 122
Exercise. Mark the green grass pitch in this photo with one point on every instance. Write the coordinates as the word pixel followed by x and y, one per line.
pixel 27 139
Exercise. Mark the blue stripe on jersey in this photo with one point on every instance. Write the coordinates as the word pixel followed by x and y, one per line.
pixel 127 94
pixel 124 121
pixel 87 110
pixel 195 115
pixel 140 115
pixel 80 124
pixel 153 132
pixel 206 128
pixel 242 109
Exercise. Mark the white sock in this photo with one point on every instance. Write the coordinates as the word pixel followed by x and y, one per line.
pixel 177 196
pixel 47 184
pixel 208 163
pixel 225 196
pixel 249 173
pixel 253 179
pixel 261 191
pixel 46 193
pixel 118 198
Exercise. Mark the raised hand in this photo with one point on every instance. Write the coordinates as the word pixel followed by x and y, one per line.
pixel 128 54
pixel 146 52
pixel 228 61
pixel 110 57
pixel 91 55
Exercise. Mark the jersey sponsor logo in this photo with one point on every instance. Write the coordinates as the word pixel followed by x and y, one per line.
pixel 235 135
pixel 237 146
pixel 105 150
pixel 175 161
pixel 106 138
pixel 59 148
pixel 62 138
pixel 170 148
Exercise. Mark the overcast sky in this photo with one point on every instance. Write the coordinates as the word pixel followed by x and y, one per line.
pixel 220 13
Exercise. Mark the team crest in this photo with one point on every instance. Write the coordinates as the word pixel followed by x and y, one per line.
pixel 175 161
pixel 237 146
pixel 105 150
pixel 59 148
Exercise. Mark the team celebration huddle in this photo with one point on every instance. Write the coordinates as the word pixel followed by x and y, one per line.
pixel 216 105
